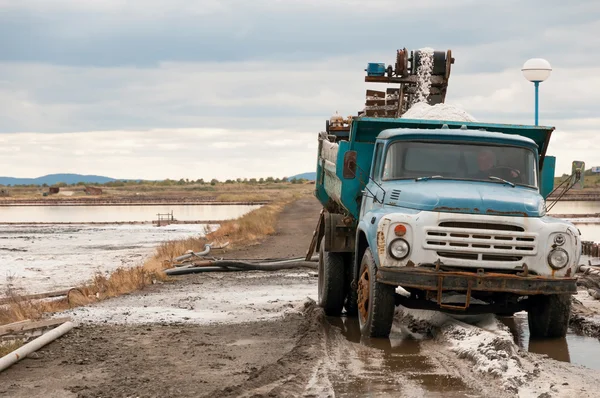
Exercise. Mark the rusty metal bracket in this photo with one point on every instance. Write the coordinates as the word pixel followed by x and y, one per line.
pixel 525 271
pixel 449 306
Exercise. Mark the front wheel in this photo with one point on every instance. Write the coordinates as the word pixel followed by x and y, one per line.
pixel 375 300
pixel 549 315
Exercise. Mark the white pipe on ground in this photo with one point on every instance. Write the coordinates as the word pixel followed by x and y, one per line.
pixel 590 269
pixel 34 345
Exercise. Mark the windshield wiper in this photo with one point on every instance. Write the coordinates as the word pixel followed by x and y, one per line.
pixel 427 178
pixel 501 179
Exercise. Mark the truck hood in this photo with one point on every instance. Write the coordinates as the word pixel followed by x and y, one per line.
pixel 475 197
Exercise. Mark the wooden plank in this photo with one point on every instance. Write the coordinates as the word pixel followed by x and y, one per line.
pixel 39 296
pixel 315 238
pixel 375 93
pixel 16 324
pixel 25 326
pixel 375 102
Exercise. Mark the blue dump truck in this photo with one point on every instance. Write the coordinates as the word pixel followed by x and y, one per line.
pixel 439 215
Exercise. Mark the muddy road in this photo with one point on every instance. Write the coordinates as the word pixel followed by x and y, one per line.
pixel 258 334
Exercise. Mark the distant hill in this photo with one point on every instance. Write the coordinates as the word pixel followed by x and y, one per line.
pixel 311 176
pixel 52 179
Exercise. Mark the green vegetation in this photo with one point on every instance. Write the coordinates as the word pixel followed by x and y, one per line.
pixel 168 183
pixel 592 180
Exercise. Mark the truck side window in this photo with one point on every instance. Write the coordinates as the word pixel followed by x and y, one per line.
pixel 377 165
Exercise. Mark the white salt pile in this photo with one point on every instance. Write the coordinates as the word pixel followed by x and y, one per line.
pixel 420 109
pixel 423 110
pixel 424 70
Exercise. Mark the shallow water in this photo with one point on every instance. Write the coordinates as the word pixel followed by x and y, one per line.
pixel 400 357
pixel 42 258
pixel 85 214
pixel 574 348
pixel 576 207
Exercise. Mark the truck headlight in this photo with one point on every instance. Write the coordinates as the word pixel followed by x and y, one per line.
pixel 558 258
pixel 399 249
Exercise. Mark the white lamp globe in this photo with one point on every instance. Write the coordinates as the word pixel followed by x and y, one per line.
pixel 536 69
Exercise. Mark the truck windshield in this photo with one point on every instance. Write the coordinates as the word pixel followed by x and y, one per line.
pixel 408 160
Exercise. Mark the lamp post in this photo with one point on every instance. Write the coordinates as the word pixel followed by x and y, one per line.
pixel 536 70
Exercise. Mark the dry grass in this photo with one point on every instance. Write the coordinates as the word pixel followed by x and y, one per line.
pixel 121 281
pixel 8 347
pixel 247 230
pixel 244 197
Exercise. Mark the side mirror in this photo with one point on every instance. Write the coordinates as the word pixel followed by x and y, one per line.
pixel 578 172
pixel 349 171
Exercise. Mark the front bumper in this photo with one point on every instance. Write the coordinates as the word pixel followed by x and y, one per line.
pixel 440 281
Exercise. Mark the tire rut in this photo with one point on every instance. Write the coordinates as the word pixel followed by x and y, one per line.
pixel 291 374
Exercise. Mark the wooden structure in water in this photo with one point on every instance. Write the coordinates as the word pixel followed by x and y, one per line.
pixel 164 219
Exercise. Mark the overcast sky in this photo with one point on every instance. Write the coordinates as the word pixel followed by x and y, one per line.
pixel 229 88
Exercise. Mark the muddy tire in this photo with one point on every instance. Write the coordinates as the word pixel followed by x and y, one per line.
pixel 351 295
pixel 549 316
pixel 331 281
pixel 375 300
pixel 351 304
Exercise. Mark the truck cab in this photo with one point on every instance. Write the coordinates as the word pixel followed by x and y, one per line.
pixel 444 216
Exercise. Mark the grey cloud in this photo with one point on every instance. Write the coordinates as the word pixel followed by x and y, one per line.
pixel 251 69
pixel 267 30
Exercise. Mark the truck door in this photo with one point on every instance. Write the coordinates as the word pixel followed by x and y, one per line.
pixel 372 194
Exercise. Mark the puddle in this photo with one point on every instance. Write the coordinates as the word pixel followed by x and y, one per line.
pixel 384 373
pixel 576 349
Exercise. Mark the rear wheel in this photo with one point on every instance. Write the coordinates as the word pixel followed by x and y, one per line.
pixel 331 281
pixel 351 295
pixel 549 315
pixel 375 300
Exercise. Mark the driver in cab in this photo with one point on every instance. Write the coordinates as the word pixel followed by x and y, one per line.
pixel 486 162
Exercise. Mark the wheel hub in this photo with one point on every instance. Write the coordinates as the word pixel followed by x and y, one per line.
pixel 363 294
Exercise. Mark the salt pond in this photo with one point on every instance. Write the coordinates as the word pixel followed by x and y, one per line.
pixel 136 213
pixel 35 259
pixel 42 258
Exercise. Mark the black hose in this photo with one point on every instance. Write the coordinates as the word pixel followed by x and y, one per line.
pixel 233 265
pixel 265 266
pixel 196 270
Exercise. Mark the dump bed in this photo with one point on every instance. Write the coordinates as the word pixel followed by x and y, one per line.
pixel 344 195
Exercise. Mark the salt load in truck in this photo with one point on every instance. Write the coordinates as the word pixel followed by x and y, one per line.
pixel 452 212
